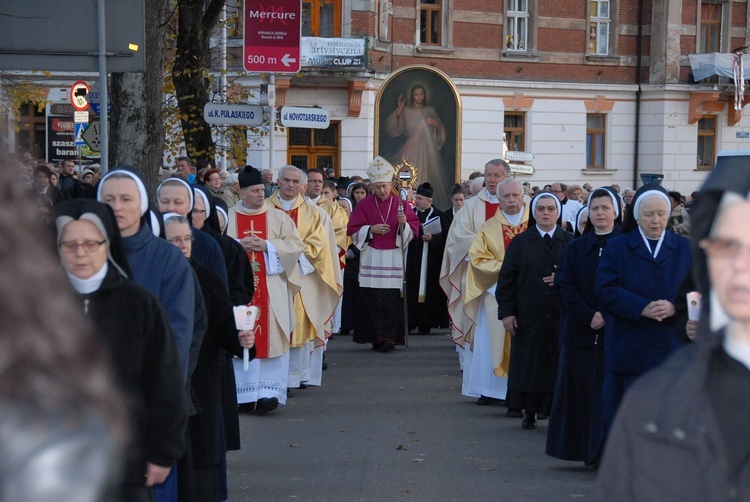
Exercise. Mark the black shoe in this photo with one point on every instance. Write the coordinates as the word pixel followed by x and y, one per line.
pixel 511 413
pixel 246 407
pixel 542 416
pixel 343 332
pixel 289 393
pixel 529 421
pixel 377 347
pixel 487 401
pixel 424 330
pixel 302 385
pixel 388 346
pixel 266 404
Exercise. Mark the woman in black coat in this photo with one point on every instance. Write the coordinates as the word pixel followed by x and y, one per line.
pixel 575 423
pixel 206 426
pixel 529 307
pixel 132 324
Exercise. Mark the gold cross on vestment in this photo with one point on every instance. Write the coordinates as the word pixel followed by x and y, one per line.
pixel 378 163
pixel 252 231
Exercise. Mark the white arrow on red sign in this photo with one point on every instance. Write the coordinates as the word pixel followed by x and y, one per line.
pixel 288 59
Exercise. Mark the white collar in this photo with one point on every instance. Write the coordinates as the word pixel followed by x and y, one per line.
pixel 551 233
pixel 658 244
pixel 514 219
pixel 492 199
pixel 93 283
pixel 287 204
pixel 316 199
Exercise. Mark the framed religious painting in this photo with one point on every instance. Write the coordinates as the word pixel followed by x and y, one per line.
pixel 418 122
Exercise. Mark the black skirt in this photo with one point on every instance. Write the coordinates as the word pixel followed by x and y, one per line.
pixel 380 316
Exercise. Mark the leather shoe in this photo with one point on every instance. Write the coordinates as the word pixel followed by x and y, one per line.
pixel 266 404
pixel 529 421
pixel 511 413
pixel 388 346
pixel 487 401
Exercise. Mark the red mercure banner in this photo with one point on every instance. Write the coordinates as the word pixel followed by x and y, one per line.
pixel 272 36
pixel 256 225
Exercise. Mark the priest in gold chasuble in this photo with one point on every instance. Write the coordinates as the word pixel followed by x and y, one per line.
pixel 317 299
pixel 487 375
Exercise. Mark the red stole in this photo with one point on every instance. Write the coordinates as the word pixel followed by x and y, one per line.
pixel 509 231
pixel 256 224
pixel 489 210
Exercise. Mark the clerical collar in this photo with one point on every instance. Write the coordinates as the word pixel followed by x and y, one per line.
pixel 287 204
pixel 551 233
pixel 655 250
pixel 514 219
pixel 316 199
pixel 736 349
pixel 605 233
pixel 250 209
pixel 492 199
pixel 93 283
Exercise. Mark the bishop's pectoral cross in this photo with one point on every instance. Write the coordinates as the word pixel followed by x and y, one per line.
pixel 248 232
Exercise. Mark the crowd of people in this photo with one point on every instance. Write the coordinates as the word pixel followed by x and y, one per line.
pixel 558 299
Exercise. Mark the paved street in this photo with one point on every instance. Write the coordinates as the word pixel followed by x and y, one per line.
pixel 394 427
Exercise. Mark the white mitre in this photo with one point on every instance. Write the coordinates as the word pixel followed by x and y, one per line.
pixel 380 170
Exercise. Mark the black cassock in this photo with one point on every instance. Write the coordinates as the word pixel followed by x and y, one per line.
pixel 433 312
pixel 521 292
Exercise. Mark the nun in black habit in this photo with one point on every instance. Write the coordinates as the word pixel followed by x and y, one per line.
pixel 134 328
pixel 576 423
pixel 207 424
pixel 529 307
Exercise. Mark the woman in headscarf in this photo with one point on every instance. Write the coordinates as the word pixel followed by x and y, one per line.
pixel 222 337
pixel 529 307
pixel 575 423
pixel 681 432
pixel 131 323
pixel 637 283
pixel 582 220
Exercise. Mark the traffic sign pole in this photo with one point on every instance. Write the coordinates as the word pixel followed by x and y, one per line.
pixel 103 99
pixel 272 106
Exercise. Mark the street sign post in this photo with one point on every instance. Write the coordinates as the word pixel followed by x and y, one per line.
pixel 306 117
pixel 514 156
pixel 224 114
pixel 272 36
pixel 78 93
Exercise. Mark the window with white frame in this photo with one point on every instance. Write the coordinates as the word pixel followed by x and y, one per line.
pixel 599 27
pixel 517 22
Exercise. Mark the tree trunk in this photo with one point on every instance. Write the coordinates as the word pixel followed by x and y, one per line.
pixel 136 123
pixel 196 21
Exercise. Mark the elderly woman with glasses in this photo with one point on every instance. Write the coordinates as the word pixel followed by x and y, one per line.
pixel 132 325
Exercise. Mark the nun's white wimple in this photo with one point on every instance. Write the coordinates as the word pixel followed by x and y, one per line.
pixel 168 181
pixel 544 196
pixel 138 182
pixel 649 193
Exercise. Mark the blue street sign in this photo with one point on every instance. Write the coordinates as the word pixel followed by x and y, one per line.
pixel 79 134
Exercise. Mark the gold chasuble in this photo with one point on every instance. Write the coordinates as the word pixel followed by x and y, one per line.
pixel 316 302
pixel 273 293
pixel 463 230
pixel 485 259
pixel 340 220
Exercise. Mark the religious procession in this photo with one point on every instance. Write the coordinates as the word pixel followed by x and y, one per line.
pixel 569 306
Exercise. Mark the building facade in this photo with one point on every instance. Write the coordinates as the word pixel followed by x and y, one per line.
pixel 599 91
